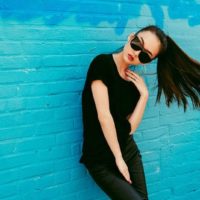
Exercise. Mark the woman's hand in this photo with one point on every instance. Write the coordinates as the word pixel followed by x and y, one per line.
pixel 123 168
pixel 138 81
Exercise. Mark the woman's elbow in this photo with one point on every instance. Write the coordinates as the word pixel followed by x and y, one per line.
pixel 104 117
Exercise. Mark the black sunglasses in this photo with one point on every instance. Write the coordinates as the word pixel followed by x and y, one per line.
pixel 137 46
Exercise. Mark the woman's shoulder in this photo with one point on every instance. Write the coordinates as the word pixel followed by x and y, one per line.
pixel 100 68
pixel 102 57
pixel 101 62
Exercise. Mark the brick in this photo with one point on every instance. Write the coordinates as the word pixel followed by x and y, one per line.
pixel 8 91
pixel 36 170
pixel 150 156
pixel 17 160
pixel 8 190
pixel 14 132
pixel 9 176
pixel 19 62
pixel 54 127
pixel 77 173
pixel 71 136
pixel 62 176
pixel 25 118
pixel 66 163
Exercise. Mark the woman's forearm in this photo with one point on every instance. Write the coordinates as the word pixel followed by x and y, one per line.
pixel 136 117
pixel 109 131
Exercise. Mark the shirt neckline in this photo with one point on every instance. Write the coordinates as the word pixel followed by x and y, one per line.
pixel 117 72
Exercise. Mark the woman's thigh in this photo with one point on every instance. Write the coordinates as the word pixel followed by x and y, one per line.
pixel 113 184
pixel 137 175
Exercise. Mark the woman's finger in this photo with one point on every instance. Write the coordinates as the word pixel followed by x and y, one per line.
pixel 132 78
pixel 135 78
pixel 123 169
pixel 126 175
pixel 128 178
pixel 133 74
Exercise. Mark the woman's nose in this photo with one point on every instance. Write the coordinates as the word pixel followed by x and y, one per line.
pixel 137 52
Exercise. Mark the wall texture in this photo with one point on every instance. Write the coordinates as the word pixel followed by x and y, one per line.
pixel 45 49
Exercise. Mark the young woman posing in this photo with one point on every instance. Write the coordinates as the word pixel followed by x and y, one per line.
pixel 113 102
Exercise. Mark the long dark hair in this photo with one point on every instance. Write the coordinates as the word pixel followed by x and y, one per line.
pixel 178 74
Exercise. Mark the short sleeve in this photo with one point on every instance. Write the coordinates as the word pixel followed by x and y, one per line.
pixel 98 69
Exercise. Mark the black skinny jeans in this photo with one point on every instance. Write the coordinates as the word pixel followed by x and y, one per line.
pixel 110 180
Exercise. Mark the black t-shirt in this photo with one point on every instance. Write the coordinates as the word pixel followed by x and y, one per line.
pixel 123 97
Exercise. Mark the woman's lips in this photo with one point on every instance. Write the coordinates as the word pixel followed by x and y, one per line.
pixel 130 57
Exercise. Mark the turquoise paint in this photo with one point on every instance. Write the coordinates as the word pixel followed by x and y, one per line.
pixel 54 13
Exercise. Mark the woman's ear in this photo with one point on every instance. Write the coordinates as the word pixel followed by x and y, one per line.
pixel 131 36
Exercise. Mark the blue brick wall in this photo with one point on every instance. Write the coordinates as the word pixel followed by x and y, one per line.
pixel 45 49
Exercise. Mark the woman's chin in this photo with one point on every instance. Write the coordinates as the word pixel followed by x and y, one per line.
pixel 135 63
pixel 131 61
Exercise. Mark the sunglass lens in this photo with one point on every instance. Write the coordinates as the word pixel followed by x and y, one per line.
pixel 144 57
pixel 135 47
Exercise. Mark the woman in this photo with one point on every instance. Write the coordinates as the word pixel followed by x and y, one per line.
pixel 114 99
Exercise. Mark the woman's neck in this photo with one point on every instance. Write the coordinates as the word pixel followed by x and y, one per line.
pixel 121 65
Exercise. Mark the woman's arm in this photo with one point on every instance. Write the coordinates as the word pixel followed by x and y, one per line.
pixel 136 117
pixel 100 95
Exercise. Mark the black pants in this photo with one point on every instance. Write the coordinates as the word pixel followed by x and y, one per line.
pixel 115 186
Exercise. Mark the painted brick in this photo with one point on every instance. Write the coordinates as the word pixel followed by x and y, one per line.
pixel 14 132
pixel 16 160
pixel 62 177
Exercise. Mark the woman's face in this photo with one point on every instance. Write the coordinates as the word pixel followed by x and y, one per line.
pixel 150 45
